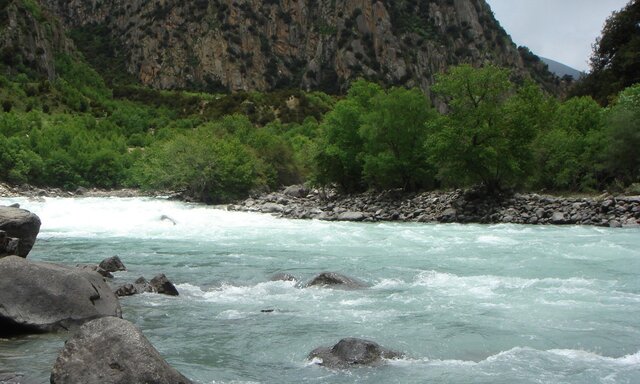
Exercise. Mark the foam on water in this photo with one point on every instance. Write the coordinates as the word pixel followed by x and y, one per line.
pixel 467 303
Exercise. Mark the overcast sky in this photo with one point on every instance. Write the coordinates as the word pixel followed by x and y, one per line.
pixel 561 30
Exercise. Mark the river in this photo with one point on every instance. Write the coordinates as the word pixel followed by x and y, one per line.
pixel 465 303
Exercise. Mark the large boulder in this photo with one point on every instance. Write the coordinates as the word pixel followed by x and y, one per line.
pixel 352 352
pixel 41 297
pixel 21 224
pixel 112 351
pixel 337 280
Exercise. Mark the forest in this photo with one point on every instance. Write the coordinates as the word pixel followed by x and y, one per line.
pixel 477 125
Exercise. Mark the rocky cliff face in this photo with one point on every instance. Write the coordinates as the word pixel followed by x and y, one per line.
pixel 268 44
pixel 30 37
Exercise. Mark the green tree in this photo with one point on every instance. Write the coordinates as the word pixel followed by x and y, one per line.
pixel 623 133
pixel 615 62
pixel 394 133
pixel 206 166
pixel 338 156
pixel 477 142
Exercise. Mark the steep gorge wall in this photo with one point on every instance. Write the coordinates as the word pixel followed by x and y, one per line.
pixel 268 44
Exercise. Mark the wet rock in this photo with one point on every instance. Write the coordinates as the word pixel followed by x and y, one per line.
pixel 112 264
pixel 351 216
pixel 95 268
pixel 271 208
pixel 352 352
pixel 20 224
pixel 159 284
pixel 112 351
pixel 281 276
pixel 162 285
pixel 333 279
pixel 41 297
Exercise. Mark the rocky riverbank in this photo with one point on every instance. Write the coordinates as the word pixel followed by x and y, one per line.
pixel 32 192
pixel 459 206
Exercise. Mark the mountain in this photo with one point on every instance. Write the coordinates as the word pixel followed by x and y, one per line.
pixel 562 70
pixel 219 45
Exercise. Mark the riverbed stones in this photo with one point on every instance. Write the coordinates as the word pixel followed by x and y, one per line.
pixel 40 297
pixel 352 352
pixel 162 285
pixel 461 206
pixel 22 225
pixel 112 351
pixel 335 280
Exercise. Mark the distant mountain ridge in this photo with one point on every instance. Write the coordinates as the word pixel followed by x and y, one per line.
pixel 562 70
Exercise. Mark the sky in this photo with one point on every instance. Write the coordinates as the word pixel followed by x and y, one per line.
pixel 561 30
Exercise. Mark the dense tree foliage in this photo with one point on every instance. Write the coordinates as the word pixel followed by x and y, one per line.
pixel 615 62
pixel 76 131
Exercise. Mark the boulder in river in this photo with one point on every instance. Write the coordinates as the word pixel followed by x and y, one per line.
pixel 112 264
pixel 333 279
pixel 283 276
pixel 95 268
pixel 112 351
pixel 159 284
pixel 40 297
pixel 22 225
pixel 353 352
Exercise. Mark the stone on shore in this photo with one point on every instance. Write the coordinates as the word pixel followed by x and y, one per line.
pixel 19 224
pixel 337 280
pixel 352 352
pixel 42 297
pixel 112 351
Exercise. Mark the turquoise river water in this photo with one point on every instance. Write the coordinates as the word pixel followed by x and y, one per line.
pixel 465 303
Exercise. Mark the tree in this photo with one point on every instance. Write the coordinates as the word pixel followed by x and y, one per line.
pixel 479 141
pixel 623 133
pixel 338 156
pixel 615 62
pixel 394 133
pixel 567 153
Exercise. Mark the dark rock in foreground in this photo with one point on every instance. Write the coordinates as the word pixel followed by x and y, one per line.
pixel 112 351
pixel 19 224
pixel 333 279
pixel 43 297
pixel 159 284
pixel 352 352
pixel 112 264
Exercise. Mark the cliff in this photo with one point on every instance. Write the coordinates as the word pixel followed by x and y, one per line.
pixel 262 45
pixel 30 38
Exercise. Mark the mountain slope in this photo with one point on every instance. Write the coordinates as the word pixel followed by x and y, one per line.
pixel 237 45
pixel 562 70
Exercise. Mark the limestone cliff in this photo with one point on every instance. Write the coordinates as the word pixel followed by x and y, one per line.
pixel 30 37
pixel 268 44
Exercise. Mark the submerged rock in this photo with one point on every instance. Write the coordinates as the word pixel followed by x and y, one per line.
pixel 337 280
pixel 282 276
pixel 112 351
pixel 41 297
pixel 159 284
pixel 352 352
pixel 22 225
pixel 112 264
